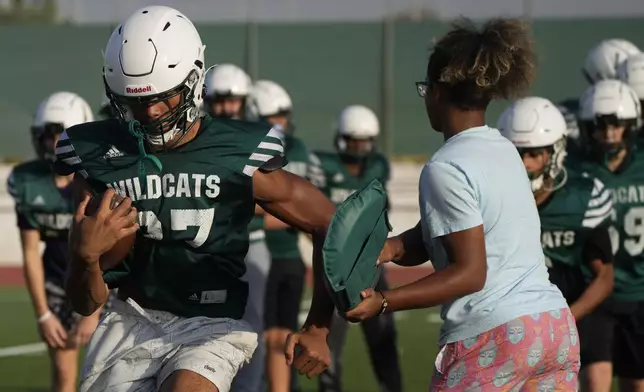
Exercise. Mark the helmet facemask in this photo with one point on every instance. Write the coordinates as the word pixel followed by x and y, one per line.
pixel 604 151
pixel 220 99
pixel 354 150
pixel 177 121
pixel 553 175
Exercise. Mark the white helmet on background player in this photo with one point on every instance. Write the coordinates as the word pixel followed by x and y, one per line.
pixel 356 124
pixel 609 103
pixel 56 113
pixel 631 72
pixel 267 99
pixel 154 55
pixel 226 80
pixel 603 60
pixel 537 123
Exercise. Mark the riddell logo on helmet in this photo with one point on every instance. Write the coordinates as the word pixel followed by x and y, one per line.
pixel 138 89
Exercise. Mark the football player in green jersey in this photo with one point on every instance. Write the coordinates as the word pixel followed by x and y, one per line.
pixel 44 209
pixel 353 166
pixel 574 211
pixel 191 183
pixel 225 89
pixel 608 120
pixel 269 103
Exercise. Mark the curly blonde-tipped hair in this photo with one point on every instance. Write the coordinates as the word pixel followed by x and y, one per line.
pixel 477 66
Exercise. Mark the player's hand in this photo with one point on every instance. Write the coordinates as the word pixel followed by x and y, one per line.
pixel 312 356
pixel 83 331
pixel 52 332
pixel 389 251
pixel 91 236
pixel 370 306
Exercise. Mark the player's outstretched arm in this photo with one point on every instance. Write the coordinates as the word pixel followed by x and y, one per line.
pixel 296 202
pixel 90 237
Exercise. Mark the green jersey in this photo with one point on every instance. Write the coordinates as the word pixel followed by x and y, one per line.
pixel 568 217
pixel 194 211
pixel 627 223
pixel 41 205
pixel 337 183
pixel 283 243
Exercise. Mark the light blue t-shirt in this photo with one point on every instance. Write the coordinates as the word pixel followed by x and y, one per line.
pixel 477 177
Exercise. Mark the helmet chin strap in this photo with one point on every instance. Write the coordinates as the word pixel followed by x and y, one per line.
pixel 536 183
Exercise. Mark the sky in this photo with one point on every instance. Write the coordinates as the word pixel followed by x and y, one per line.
pixel 113 11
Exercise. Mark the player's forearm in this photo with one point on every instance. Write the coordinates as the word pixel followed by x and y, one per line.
pixel 35 280
pixel 410 249
pixel 85 286
pixel 322 307
pixel 596 292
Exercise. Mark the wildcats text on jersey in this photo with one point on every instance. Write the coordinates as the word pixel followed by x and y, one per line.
pixel 630 194
pixel 556 238
pixel 169 185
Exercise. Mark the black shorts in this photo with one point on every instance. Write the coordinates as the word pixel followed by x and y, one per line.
pixel 60 306
pixel 284 294
pixel 615 333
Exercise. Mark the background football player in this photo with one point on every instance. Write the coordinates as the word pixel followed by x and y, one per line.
pixel 354 165
pixel 269 103
pixel 609 117
pixel 225 89
pixel 574 210
pixel 44 209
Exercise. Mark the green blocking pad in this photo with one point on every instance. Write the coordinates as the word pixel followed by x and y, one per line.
pixel 356 235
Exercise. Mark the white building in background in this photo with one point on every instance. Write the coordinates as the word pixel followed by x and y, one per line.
pixel 222 11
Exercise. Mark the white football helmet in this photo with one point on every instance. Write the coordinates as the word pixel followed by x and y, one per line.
pixel 226 79
pixel 266 99
pixel 609 97
pixel 356 122
pixel 631 72
pixel 609 102
pixel 535 122
pixel 56 113
pixel 155 54
pixel 603 60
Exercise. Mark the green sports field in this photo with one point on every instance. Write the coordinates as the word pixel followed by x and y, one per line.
pixel 417 333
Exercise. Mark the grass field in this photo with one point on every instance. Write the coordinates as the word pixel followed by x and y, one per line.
pixel 417 333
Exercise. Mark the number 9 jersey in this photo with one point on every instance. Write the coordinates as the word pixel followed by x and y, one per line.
pixel 627 222
pixel 194 209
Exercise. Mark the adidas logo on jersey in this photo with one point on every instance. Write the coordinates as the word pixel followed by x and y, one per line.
pixel 113 152
pixel 194 297
pixel 38 201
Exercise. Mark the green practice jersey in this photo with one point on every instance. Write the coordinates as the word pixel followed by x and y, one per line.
pixel 283 243
pixel 194 213
pixel 567 220
pixel 41 205
pixel 627 222
pixel 337 183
